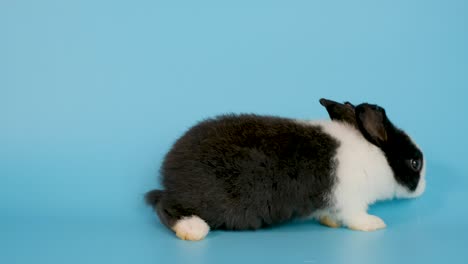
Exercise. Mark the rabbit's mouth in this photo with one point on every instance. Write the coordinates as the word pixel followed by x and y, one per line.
pixel 403 192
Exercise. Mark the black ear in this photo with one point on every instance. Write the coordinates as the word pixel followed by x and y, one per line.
pixel 349 104
pixel 373 123
pixel 340 112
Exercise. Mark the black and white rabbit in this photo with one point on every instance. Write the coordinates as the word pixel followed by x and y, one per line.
pixel 249 171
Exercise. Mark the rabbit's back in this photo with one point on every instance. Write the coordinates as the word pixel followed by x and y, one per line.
pixel 247 171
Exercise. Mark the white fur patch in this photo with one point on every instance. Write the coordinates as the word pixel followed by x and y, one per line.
pixel 362 169
pixel 191 228
pixel 363 177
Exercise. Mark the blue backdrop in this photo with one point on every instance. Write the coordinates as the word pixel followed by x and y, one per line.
pixel 93 93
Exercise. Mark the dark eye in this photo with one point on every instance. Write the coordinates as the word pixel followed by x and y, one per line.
pixel 415 164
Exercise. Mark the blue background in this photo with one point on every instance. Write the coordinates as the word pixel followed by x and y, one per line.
pixel 93 93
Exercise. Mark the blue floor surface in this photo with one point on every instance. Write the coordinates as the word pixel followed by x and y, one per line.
pixel 93 94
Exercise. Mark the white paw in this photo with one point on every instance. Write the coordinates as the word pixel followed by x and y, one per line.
pixel 191 228
pixel 366 222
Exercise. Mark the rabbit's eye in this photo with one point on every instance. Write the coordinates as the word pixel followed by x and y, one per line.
pixel 415 164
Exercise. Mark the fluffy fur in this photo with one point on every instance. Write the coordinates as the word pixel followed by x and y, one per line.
pixel 250 171
pixel 246 171
pixel 191 228
pixel 363 176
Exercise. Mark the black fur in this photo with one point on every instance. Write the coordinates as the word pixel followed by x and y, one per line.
pixel 246 172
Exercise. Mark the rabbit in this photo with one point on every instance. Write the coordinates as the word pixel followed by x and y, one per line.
pixel 247 171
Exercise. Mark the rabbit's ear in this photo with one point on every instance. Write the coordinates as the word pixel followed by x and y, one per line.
pixel 349 104
pixel 340 112
pixel 373 123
